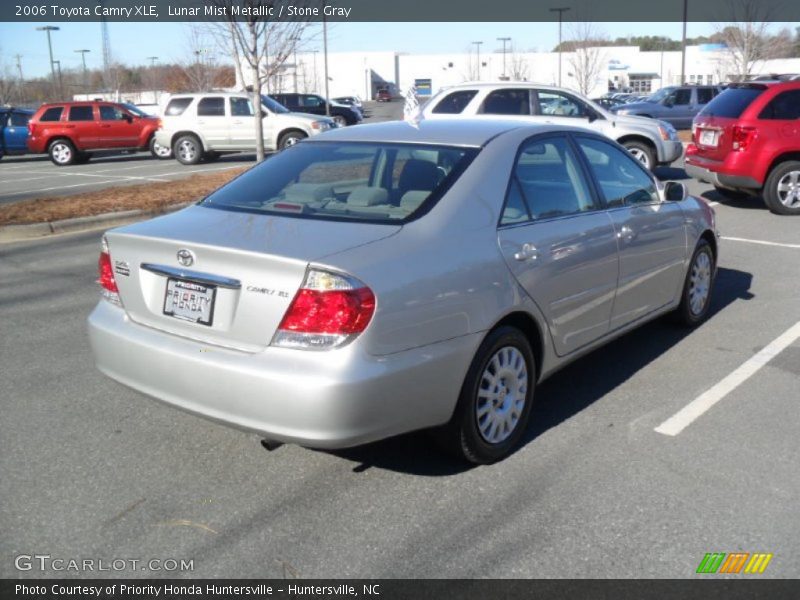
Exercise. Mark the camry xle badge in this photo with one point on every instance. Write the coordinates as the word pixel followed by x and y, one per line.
pixel 185 257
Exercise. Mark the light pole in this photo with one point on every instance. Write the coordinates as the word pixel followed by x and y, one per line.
pixel 683 43
pixel 316 79
pixel 560 10
pixel 83 60
pixel 48 29
pixel 504 40
pixel 294 41
pixel 153 60
pixel 478 48
pixel 325 52
pixel 60 80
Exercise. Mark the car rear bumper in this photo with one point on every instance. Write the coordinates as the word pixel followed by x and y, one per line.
pixel 670 151
pixel 330 399
pixel 704 173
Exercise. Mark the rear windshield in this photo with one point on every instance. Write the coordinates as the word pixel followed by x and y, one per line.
pixel 731 103
pixel 350 181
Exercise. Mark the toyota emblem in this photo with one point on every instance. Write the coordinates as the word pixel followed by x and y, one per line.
pixel 185 257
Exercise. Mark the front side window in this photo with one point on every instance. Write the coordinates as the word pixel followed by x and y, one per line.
pixel 241 107
pixel 507 102
pixel 52 114
pixel 680 97
pixel 211 107
pixel 558 104
pixel 19 119
pixel 81 113
pixel 312 101
pixel 454 103
pixel 622 181
pixel 785 106
pixel 379 183
pixel 547 182
pixel 111 113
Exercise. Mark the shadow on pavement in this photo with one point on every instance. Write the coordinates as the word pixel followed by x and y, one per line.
pixel 739 201
pixel 671 174
pixel 565 394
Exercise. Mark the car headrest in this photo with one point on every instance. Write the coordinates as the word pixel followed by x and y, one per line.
pixel 418 175
pixel 411 200
pixel 308 192
pixel 368 196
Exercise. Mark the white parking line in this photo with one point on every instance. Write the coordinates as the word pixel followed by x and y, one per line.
pixel 697 407
pixel 59 187
pixel 762 242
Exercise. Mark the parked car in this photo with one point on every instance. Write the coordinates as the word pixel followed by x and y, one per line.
pixel 70 131
pixel 676 105
pixel 380 279
pixel 747 142
pixel 14 130
pixel 651 142
pixel 350 101
pixel 315 105
pixel 204 126
pixel 383 95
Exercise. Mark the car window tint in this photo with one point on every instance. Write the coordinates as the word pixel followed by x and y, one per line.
pixel 52 114
pixel 681 96
pixel 81 113
pixel 621 179
pixel 507 102
pixel 176 106
pixel 704 95
pixel 311 101
pixel 550 180
pixel 241 107
pixel 732 102
pixel 455 102
pixel 211 107
pixel 558 104
pixel 784 106
pixel 111 113
pixel 19 119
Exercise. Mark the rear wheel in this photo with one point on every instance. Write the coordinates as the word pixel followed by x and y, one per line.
pixel 642 153
pixel 495 401
pixel 188 150
pixel 782 189
pixel 696 296
pixel 62 152
pixel 290 138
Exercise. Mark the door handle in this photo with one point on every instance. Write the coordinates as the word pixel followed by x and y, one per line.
pixel 528 252
pixel 237 122
pixel 625 233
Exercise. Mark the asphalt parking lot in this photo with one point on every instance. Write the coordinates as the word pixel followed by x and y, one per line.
pixel 600 488
pixel 26 177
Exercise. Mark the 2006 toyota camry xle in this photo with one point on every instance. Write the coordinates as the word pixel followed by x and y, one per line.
pixel 386 278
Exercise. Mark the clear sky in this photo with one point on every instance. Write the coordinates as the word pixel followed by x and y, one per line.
pixel 132 43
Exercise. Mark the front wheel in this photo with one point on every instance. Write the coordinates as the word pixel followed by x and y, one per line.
pixel 159 151
pixel 697 287
pixel 340 121
pixel 495 401
pixel 290 138
pixel 642 153
pixel 782 189
pixel 188 150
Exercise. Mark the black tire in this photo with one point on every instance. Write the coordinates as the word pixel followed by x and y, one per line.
pixel 784 201
pixel 290 138
pixel 188 150
pixel 464 436
pixel 687 313
pixel 731 194
pixel 642 152
pixel 62 152
pixel 158 151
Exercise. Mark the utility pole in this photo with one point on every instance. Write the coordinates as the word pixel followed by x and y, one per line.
pixel 316 79
pixel 478 47
pixel 325 52
pixel 60 80
pixel 48 29
pixel 560 10
pixel 504 40
pixel 19 66
pixel 153 60
pixel 683 43
pixel 83 59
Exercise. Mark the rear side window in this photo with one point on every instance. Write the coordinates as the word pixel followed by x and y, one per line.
pixel 731 103
pixel 211 107
pixel 507 102
pixel 785 106
pixel 176 106
pixel 81 113
pixel 704 95
pixel 455 102
pixel 19 120
pixel 52 114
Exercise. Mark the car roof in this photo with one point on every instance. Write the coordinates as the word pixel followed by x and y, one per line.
pixel 199 94
pixel 446 132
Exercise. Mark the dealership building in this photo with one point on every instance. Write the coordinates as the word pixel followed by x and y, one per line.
pixel 622 67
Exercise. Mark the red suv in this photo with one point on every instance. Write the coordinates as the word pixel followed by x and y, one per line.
pixel 747 141
pixel 69 131
pixel 383 96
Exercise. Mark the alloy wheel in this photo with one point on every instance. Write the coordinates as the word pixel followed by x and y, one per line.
pixel 699 283
pixel 502 394
pixel 789 189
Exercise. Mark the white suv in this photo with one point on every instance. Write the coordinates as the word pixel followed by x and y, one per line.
pixel 203 126
pixel 652 142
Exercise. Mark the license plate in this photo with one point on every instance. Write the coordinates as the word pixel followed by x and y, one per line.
pixel 190 301
pixel 709 137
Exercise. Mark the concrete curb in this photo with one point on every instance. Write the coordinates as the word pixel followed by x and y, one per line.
pixel 18 233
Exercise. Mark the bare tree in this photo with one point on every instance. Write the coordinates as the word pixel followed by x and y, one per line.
pixel 519 68
pixel 199 65
pixel 587 59
pixel 262 46
pixel 747 38
pixel 473 69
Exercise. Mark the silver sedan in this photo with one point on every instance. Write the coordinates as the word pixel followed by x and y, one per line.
pixel 387 278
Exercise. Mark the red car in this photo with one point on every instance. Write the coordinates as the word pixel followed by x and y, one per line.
pixel 383 96
pixel 70 131
pixel 746 141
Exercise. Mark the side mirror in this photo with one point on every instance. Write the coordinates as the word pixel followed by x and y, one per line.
pixel 674 191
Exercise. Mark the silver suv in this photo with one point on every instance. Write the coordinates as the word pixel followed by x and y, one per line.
pixel 203 126
pixel 651 142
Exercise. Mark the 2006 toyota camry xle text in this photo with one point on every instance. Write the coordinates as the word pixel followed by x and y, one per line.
pixel 386 278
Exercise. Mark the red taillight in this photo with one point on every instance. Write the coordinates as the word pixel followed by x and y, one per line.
pixel 742 137
pixel 106 278
pixel 691 149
